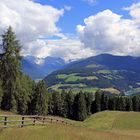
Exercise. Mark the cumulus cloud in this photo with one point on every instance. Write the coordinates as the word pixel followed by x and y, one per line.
pixel 29 19
pixel 67 48
pixel 108 32
pixel 105 32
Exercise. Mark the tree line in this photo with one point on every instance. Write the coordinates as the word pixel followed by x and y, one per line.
pixel 115 102
pixel 22 95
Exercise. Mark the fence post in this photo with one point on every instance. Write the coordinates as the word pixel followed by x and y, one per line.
pixel 43 120
pixel 22 122
pixel 5 121
pixel 34 120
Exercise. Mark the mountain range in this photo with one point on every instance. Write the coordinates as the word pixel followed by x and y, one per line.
pixel 108 72
pixel 38 68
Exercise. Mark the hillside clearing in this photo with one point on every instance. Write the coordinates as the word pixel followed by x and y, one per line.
pixel 107 125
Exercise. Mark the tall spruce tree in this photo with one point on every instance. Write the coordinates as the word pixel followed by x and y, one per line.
pixel 136 103
pixel 70 102
pixel 39 102
pixel 1 93
pixel 129 104
pixel 26 88
pixel 64 102
pixel 80 109
pixel 10 69
pixel 89 100
pixel 98 96
pixel 56 104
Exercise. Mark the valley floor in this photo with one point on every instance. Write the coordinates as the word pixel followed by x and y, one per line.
pixel 101 126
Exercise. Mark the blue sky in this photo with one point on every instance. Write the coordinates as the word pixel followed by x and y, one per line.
pixel 81 9
pixel 73 29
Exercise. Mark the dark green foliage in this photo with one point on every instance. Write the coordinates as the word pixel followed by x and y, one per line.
pixel 10 69
pixel 64 110
pixel 113 102
pixel 89 100
pixel 129 104
pixel 122 103
pixel 136 103
pixel 98 95
pixel 70 100
pixel 80 109
pixel 26 88
pixel 55 104
pixel 39 101
pixel 1 93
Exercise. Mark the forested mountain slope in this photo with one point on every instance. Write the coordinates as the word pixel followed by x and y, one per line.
pixel 108 72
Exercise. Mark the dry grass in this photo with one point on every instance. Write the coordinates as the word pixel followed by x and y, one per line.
pixel 61 132
pixel 100 126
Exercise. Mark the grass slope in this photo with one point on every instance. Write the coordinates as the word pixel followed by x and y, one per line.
pixel 106 125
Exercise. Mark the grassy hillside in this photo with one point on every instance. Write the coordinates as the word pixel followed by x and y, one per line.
pixel 103 71
pixel 101 126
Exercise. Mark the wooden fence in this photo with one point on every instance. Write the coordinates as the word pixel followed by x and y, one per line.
pixel 22 120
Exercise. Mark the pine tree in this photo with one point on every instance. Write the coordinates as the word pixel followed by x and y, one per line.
pixel 98 95
pixel 64 102
pixel 39 101
pixel 136 103
pixel 80 112
pixel 26 88
pixel 106 102
pixel 89 100
pixel 56 104
pixel 1 93
pixel 70 102
pixel 10 69
pixel 50 104
pixel 129 104
pixel 102 101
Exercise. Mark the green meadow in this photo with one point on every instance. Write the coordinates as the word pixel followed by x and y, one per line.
pixel 107 125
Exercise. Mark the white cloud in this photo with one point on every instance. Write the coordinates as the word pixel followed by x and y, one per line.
pixel 134 11
pixel 68 48
pixel 107 32
pixel 29 19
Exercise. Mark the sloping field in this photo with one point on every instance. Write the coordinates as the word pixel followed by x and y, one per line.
pixel 101 126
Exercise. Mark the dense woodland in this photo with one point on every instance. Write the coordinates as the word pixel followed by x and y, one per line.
pixel 20 94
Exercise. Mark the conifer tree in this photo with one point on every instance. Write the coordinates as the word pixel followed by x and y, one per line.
pixel 80 112
pixel 10 69
pixel 64 102
pixel 39 101
pixel 136 103
pixel 1 93
pixel 25 92
pixel 129 104
pixel 98 95
pixel 56 104
pixel 89 100
pixel 70 102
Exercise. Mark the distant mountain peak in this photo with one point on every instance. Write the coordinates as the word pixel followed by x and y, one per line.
pixel 38 68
